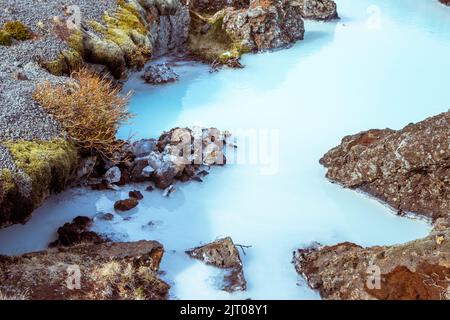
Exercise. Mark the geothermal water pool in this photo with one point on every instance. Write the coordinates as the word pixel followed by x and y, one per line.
pixel 379 66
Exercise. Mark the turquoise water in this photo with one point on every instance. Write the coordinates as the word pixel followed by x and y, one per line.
pixel 379 66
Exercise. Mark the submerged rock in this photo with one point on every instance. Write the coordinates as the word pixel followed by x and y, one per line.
pixel 86 271
pixel 76 232
pixel 323 10
pixel 106 216
pixel 125 205
pixel 223 254
pixel 136 194
pixel 169 190
pixel 159 74
pixel 409 169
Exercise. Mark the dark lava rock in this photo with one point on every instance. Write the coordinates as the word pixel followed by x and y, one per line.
pixel 136 194
pixel 203 173
pixel 197 178
pixel 408 169
pixel 106 216
pixel 76 232
pixel 109 271
pixel 159 74
pixel 125 205
pixel 149 189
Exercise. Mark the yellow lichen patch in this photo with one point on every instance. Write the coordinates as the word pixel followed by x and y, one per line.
pixel 128 281
pixel 17 30
pixel 5 38
pixel 49 164
pixel 68 61
pixel 7 183
pixel 125 20
pixel 127 29
pixel 97 26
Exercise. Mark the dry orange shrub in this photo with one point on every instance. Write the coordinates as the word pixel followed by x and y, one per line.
pixel 90 109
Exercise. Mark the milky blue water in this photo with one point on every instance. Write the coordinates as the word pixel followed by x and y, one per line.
pixel 379 66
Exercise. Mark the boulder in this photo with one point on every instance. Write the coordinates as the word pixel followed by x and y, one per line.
pixel 76 232
pixel 223 254
pixel 408 169
pixel 323 10
pixel 415 270
pixel 106 271
pixel 125 205
pixel 266 24
pixel 143 147
pixel 113 175
pixel 159 74
pixel 136 194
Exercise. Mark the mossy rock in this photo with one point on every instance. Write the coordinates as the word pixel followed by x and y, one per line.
pixel 125 20
pixel 214 44
pixel 12 203
pixel 17 30
pixel 5 38
pixel 105 52
pixel 120 41
pixel 48 164
pixel 67 62
pixel 7 183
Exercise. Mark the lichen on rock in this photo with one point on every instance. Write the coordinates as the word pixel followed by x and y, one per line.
pixel 5 38
pixel 17 30
pixel 230 32
pixel 322 10
pixel 408 169
pixel 42 167
pixel 114 271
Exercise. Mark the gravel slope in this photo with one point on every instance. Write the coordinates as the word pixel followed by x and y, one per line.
pixel 20 117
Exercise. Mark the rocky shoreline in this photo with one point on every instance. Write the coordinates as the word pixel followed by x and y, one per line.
pixel 409 170
pixel 112 38
pixel 86 271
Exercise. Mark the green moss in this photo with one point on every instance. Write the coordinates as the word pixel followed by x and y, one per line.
pixel 17 30
pixel 5 38
pixel 49 164
pixel 7 183
pixel 120 41
pixel 97 26
pixel 76 42
pixel 127 29
pixel 125 20
pixel 67 62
